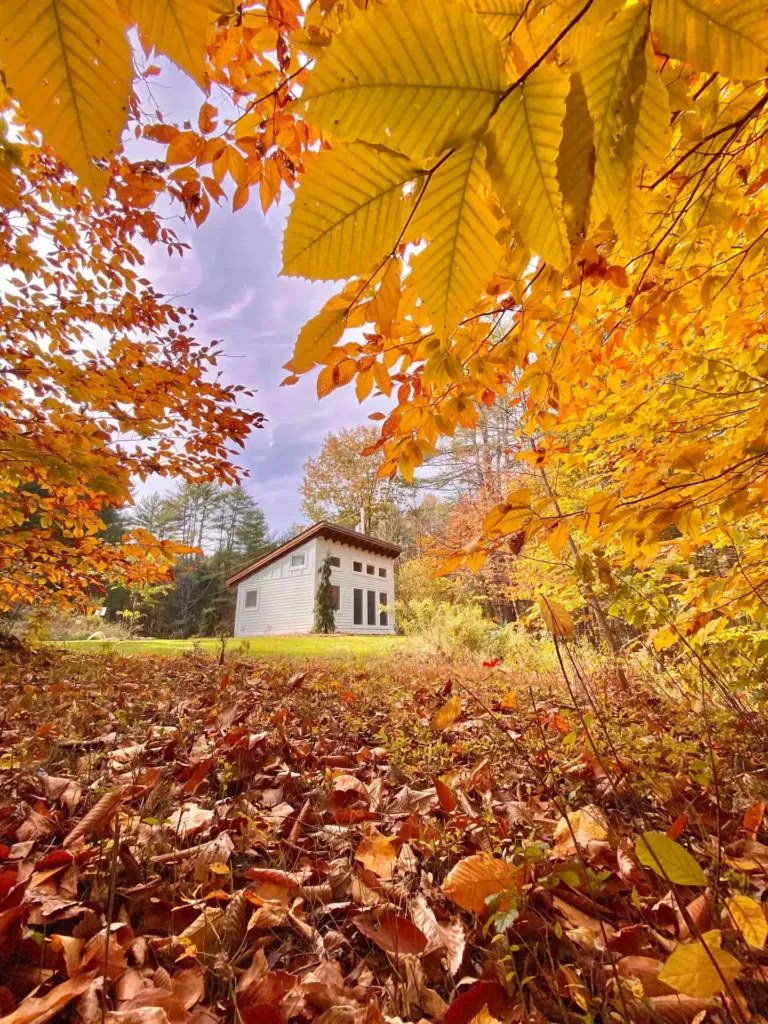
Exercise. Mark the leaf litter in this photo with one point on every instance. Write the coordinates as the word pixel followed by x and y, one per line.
pixel 182 843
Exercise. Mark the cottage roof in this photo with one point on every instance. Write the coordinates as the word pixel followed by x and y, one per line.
pixel 331 531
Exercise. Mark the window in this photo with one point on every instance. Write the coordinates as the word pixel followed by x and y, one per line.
pixel 251 599
pixel 383 573
pixel 335 561
pixel 358 608
pixel 357 566
pixel 383 621
pixel 336 596
pixel 297 561
pixel 370 569
pixel 371 607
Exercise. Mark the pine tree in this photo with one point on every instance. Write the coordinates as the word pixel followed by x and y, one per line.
pixel 325 619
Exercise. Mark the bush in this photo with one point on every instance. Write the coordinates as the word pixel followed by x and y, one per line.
pixel 453 630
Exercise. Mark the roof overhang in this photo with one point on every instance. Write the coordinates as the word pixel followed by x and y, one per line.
pixel 330 531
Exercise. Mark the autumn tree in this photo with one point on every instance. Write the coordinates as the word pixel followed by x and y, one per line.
pixel 340 482
pixel 101 382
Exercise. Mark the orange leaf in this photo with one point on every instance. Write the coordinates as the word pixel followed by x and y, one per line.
pixel 183 148
pixel 445 796
pixel 753 817
pixel 377 853
pixel 478 877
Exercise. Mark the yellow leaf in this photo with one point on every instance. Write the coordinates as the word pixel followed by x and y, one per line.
pixel 558 619
pixel 668 859
pixel 749 918
pixel 325 381
pixel 731 38
pixel 183 148
pixel 462 253
pixel 587 824
pixel 501 16
pixel 523 143
pixel 177 28
pixel 604 70
pixel 509 701
pixel 690 969
pixel 417 76
pixel 475 878
pixel 9 192
pixel 348 213
pixel 377 853
pixel 69 64
pixel 576 159
pixel 317 337
pixel 446 716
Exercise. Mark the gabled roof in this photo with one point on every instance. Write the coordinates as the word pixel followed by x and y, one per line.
pixel 330 531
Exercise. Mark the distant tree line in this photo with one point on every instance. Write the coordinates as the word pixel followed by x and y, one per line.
pixel 227 528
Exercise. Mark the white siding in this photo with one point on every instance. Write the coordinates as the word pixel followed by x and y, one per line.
pixel 286 596
pixel 348 580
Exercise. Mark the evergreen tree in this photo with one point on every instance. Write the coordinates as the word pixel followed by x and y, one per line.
pixel 325 618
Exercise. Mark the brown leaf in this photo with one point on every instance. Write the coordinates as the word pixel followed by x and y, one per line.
pixel 645 970
pixel 392 932
pixel 37 1010
pixel 98 815
pixel 448 938
pixel 189 985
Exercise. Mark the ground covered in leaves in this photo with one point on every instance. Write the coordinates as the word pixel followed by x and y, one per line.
pixel 268 842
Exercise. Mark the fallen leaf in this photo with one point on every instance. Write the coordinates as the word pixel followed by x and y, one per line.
pixel 749 918
pixel 668 859
pixel 690 969
pixel 445 717
pixel 391 932
pixel 38 1009
pixel 474 879
pixel 377 853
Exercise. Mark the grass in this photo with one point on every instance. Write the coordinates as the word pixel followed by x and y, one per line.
pixel 257 647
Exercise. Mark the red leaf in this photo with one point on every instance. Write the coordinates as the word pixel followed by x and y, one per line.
pixel 197 776
pixel 677 826
pixel 473 1000
pixel 392 933
pixel 445 796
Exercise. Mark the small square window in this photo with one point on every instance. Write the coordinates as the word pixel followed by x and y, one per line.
pixel 336 595
pixel 357 566
pixel 251 599
pixel 297 561
pixel 335 561
pixel 383 573
pixel 370 569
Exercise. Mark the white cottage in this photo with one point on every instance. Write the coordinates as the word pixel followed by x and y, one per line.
pixel 276 594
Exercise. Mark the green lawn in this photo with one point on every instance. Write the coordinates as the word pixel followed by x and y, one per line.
pixel 256 647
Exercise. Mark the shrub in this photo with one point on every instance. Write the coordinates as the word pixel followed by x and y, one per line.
pixel 60 626
pixel 453 630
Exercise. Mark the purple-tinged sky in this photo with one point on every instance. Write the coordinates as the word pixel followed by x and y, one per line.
pixel 230 277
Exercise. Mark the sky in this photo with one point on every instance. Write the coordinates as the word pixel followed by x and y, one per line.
pixel 230 278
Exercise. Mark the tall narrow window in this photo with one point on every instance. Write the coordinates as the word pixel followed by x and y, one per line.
pixel 383 621
pixel 336 598
pixel 371 607
pixel 358 608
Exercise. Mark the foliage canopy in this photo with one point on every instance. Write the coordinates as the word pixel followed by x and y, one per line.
pixel 559 204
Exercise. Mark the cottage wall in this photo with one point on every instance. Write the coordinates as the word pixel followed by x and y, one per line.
pixel 286 596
